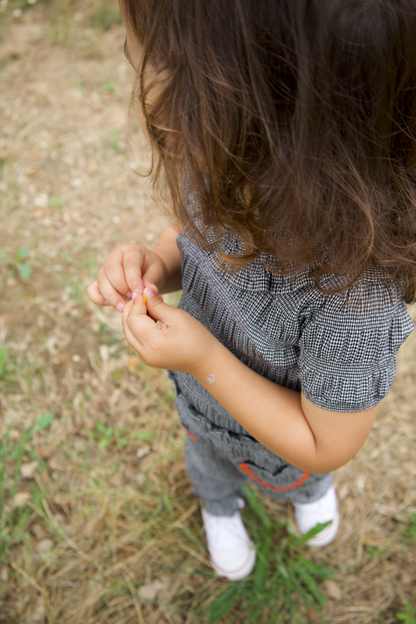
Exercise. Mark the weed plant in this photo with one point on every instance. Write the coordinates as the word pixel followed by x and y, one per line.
pixel 285 582
pixel 408 616
pixel 15 513
pixel 409 534
pixel 6 368
pixel 19 263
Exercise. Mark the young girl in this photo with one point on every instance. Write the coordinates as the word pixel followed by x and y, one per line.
pixel 285 130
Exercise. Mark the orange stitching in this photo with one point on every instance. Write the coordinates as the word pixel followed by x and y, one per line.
pixel 191 435
pixel 248 472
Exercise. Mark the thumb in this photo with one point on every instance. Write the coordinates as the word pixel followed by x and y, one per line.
pixel 156 308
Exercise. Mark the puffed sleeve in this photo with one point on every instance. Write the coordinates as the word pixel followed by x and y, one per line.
pixel 348 347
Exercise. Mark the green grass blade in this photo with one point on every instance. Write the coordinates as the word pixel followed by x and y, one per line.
pixel 254 612
pixel 313 587
pixel 4 257
pixel 263 559
pixel 21 254
pixel 256 505
pixel 224 604
pixel 316 569
pixel 3 360
pixel 44 422
pixel 3 448
pixel 24 271
pixel 301 541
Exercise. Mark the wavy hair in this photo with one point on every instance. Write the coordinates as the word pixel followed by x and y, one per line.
pixel 294 122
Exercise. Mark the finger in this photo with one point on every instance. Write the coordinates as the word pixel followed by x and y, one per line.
pixel 147 284
pixel 114 270
pixel 135 322
pixel 133 261
pixel 151 273
pixel 95 295
pixel 157 309
pixel 108 291
pixel 132 340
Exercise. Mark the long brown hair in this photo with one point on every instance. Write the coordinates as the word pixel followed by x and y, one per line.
pixel 294 122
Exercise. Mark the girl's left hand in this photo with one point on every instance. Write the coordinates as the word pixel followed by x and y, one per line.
pixel 177 342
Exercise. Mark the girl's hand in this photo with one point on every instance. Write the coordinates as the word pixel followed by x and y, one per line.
pixel 128 268
pixel 177 342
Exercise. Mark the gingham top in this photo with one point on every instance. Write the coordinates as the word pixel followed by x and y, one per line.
pixel 342 354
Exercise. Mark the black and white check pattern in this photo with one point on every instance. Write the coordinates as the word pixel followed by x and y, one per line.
pixel 342 354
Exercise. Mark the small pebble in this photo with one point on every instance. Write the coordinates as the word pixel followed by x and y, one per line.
pixel 20 499
pixel 44 546
pixel 41 200
pixel 142 452
pixel 76 358
pixel 28 470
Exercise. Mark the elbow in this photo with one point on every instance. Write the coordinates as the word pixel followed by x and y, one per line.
pixel 323 465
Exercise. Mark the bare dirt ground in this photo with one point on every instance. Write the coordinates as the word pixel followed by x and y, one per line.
pixel 98 520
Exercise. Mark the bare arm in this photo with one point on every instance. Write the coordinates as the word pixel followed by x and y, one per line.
pixel 306 436
pixel 167 250
pixel 283 420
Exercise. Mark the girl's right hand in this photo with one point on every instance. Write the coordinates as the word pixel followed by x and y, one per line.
pixel 128 268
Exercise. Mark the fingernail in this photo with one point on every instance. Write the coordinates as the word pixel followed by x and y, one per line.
pixel 135 295
pixel 129 294
pixel 138 291
pixel 120 307
pixel 148 293
pixel 106 303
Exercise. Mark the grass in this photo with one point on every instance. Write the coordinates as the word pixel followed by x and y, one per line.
pixel 110 86
pixel 285 582
pixel 8 185
pixel 6 368
pixel 19 263
pixel 16 500
pixel 105 17
pixel 115 141
pixel 409 534
pixel 112 524
pixel 408 616
pixel 105 528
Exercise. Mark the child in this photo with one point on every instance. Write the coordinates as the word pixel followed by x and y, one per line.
pixel 285 130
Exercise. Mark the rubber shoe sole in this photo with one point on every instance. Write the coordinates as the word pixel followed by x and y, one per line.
pixel 237 575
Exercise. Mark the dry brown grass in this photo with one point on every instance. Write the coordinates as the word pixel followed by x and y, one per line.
pixel 110 531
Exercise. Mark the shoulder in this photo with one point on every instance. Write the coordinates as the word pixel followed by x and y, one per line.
pixel 370 310
pixel 349 343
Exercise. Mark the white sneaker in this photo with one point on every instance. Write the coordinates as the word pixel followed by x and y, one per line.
pixel 231 550
pixel 308 515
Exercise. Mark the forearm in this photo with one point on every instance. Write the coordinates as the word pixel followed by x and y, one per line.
pixel 167 250
pixel 307 437
pixel 270 413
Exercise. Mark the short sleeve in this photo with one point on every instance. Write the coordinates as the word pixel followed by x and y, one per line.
pixel 347 357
